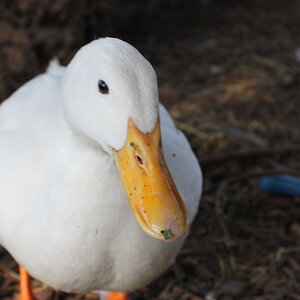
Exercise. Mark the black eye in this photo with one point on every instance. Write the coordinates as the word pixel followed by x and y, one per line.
pixel 102 86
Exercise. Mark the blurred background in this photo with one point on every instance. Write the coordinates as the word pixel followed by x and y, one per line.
pixel 229 73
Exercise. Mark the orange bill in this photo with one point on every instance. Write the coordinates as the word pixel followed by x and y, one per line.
pixel 150 188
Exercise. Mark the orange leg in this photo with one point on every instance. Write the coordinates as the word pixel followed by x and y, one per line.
pixel 25 287
pixel 116 296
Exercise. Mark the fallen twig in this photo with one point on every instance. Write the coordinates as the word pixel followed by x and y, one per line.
pixel 219 157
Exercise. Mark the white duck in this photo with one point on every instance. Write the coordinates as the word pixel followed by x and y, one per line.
pixel 75 144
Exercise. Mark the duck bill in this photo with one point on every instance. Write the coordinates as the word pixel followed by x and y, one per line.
pixel 150 188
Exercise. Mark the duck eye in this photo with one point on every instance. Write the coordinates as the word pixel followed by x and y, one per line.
pixel 102 86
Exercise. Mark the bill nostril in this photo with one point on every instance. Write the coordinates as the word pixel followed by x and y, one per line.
pixel 139 160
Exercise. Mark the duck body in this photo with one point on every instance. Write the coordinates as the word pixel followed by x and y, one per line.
pixel 64 214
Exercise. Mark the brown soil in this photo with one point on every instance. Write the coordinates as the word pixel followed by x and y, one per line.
pixel 228 72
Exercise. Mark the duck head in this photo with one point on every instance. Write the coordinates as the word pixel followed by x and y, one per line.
pixel 110 95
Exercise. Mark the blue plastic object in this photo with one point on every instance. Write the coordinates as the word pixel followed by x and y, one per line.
pixel 281 184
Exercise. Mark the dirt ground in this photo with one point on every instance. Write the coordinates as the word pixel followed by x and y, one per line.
pixel 229 73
